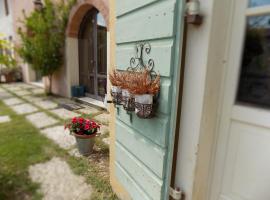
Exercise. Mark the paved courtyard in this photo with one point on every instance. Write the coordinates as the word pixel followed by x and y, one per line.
pixel 48 115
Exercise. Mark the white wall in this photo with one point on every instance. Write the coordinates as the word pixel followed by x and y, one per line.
pixel 198 38
pixel 205 67
pixel 6 26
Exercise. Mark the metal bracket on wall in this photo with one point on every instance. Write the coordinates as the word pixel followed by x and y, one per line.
pixel 139 62
pixel 193 15
pixel 176 194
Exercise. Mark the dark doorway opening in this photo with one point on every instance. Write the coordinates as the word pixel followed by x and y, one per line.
pixel 93 55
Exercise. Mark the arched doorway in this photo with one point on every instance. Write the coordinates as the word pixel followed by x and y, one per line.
pixel 92 44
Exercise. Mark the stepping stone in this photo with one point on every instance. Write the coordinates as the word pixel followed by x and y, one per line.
pixel 60 136
pixel 75 152
pixel 64 113
pixel 32 98
pixel 4 119
pixel 24 108
pixel 89 111
pixel 103 118
pixel 22 93
pixel 106 141
pixel 14 89
pixel 58 181
pixel 13 101
pixel 27 86
pixel 41 120
pixel 46 104
pixel 2 90
pixel 104 130
pixel 4 95
pixel 38 91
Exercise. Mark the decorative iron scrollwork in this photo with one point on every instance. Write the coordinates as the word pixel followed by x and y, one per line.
pixel 138 62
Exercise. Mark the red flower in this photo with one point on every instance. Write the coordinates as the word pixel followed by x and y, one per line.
pixel 81 120
pixel 74 120
pixel 86 127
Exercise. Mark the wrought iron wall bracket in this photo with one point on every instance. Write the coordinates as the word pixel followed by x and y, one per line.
pixel 139 62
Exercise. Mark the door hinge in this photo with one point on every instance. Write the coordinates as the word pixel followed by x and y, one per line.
pixel 176 194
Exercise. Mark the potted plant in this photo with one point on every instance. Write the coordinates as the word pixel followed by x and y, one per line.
pixel 128 99
pixel 144 87
pixel 84 130
pixel 116 91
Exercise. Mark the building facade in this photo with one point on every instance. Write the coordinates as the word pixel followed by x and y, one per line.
pixel 210 136
pixel 221 139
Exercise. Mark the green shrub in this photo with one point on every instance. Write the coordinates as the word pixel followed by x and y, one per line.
pixel 43 38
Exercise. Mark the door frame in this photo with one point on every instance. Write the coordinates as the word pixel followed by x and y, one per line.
pixel 216 62
pixel 228 103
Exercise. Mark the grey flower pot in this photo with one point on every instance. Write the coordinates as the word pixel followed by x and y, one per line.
pixel 85 143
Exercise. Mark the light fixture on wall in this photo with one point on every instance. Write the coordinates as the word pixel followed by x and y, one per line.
pixel 38 5
pixel 193 12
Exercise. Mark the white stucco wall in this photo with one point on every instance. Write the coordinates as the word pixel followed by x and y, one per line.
pixel 6 26
pixel 204 70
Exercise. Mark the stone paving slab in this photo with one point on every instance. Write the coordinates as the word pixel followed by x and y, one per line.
pixel 64 113
pixel 41 120
pixel 25 108
pixel 46 104
pixel 58 182
pixel 14 89
pixel 4 95
pixel 60 136
pixel 4 119
pixel 106 141
pixel 75 152
pixel 103 118
pixel 12 101
pixel 32 98
pixel 89 111
pixel 38 91
pixel 27 86
pixel 22 92
pixel 104 130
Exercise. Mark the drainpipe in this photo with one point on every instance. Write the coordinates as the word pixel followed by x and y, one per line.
pixel 193 17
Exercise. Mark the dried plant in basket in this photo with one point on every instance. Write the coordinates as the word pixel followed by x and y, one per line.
pixel 115 78
pixel 122 79
pixel 142 83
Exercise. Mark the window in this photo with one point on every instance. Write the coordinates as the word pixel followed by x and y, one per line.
pixel 255 3
pixel 254 82
pixel 6 7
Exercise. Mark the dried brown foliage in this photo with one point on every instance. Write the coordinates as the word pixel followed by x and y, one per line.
pixel 115 78
pixel 142 83
pixel 136 82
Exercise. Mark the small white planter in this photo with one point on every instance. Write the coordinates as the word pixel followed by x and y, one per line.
pixel 116 89
pixel 128 100
pixel 116 93
pixel 144 105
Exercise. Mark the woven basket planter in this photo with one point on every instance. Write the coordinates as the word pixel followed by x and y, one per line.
pixel 128 101
pixel 116 93
pixel 144 105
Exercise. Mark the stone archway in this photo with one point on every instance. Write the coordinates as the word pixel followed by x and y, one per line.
pixel 79 11
pixel 76 17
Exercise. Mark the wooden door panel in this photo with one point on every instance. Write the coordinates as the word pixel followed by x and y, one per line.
pixel 246 175
pixel 144 146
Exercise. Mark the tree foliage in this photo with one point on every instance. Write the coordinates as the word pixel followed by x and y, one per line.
pixel 43 37
pixel 6 59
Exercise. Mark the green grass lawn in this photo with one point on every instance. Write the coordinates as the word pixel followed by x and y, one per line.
pixel 21 145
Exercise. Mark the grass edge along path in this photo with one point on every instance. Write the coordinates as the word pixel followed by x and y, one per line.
pixel 21 145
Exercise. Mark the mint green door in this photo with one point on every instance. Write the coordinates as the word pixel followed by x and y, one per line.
pixel 144 146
